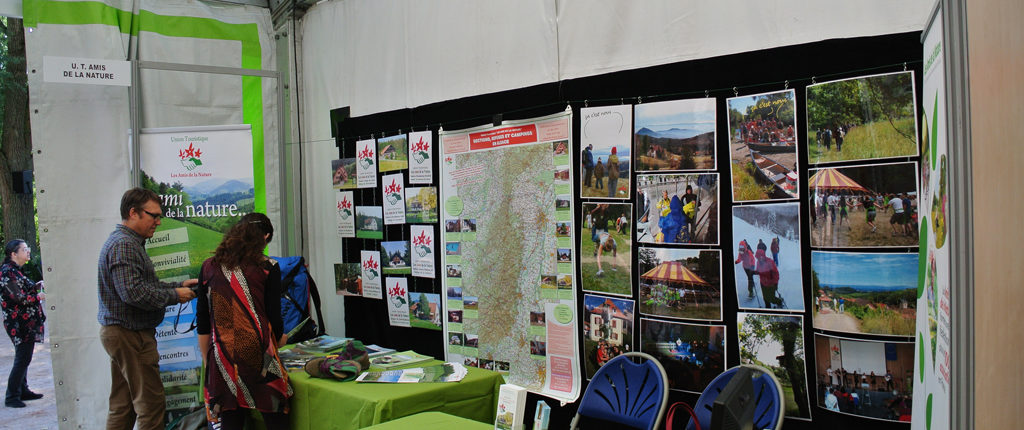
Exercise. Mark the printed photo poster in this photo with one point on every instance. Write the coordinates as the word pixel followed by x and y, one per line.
pixel 371 276
pixel 394 198
pixel 869 293
pixel 608 330
pixel 606 133
pixel 776 342
pixel 421 205
pixel 501 188
pixel 366 163
pixel 395 258
pixel 865 206
pixel 425 310
pixel 422 250
pixel 762 146
pixel 678 209
pixel 398 301
pixel 865 378
pixel 421 165
pixel 681 283
pixel 343 174
pixel 606 248
pixel 393 153
pixel 862 118
pixel 369 222
pixel 204 177
pixel 933 331
pixel 346 215
pixel 348 279
pixel 675 135
pixel 692 354
pixel 767 264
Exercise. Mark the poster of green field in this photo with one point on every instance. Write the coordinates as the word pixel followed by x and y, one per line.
pixel 204 177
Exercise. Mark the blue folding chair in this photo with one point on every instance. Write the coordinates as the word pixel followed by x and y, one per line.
pixel 769 406
pixel 626 393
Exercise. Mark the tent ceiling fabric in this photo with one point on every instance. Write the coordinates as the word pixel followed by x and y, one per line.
pixel 831 179
pixel 673 271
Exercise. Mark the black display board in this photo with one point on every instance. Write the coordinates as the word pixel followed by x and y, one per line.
pixel 792 67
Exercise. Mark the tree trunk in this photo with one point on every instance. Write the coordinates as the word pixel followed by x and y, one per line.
pixel 796 375
pixel 16 143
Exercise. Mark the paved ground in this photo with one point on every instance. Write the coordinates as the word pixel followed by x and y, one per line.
pixel 39 414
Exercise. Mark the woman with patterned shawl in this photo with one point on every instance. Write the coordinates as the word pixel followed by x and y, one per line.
pixel 240 328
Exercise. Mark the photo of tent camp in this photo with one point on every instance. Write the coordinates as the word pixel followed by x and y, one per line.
pixel 394 257
pixel 348 279
pixel 425 310
pixel 865 378
pixel 864 206
pixel 862 118
pixel 870 293
pixel 369 222
pixel 608 328
pixel 767 266
pixel 776 342
pixel 393 153
pixel 681 283
pixel 678 209
pixel 605 151
pixel 421 204
pixel 343 173
pixel 691 354
pixel 675 135
pixel 606 249
pixel 762 145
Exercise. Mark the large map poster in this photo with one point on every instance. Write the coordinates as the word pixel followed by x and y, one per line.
pixel 509 276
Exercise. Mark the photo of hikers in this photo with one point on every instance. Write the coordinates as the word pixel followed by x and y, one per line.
pixel 681 283
pixel 767 265
pixel 605 156
pixel 692 355
pixel 871 293
pixel 606 251
pixel 675 135
pixel 762 145
pixel 343 173
pixel 678 209
pixel 776 342
pixel 865 378
pixel 864 206
pixel 862 118
pixel 608 328
pixel 393 153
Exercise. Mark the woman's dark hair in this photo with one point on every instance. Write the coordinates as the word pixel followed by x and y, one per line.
pixel 243 244
pixel 12 247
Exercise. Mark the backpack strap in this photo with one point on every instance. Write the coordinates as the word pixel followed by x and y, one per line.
pixel 315 294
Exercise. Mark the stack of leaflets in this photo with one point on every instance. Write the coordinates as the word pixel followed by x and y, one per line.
pixel 294 358
pixel 447 372
pixel 511 407
pixel 396 359
pixel 323 343
pixel 377 350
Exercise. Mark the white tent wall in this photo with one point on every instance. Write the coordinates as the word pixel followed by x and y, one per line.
pixel 80 135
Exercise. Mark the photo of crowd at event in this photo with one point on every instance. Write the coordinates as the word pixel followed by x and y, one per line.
pixel 873 205
pixel 865 378
pixel 678 209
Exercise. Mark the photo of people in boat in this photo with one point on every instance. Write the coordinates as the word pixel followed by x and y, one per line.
pixel 864 206
pixel 605 156
pixel 607 328
pixel 862 118
pixel 767 266
pixel 865 378
pixel 675 135
pixel 678 208
pixel 606 251
pixel 762 145
pixel 692 354
pixel 681 283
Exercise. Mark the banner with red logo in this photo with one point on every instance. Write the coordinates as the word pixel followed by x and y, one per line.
pixel 393 189
pixel 370 262
pixel 346 214
pixel 421 165
pixel 398 301
pixel 422 250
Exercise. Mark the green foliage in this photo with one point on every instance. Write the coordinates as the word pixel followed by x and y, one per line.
pixel 745 185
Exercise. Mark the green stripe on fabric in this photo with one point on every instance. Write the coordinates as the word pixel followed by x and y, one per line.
pixel 92 12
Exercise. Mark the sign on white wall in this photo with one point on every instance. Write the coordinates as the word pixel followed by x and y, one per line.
pixel 87 71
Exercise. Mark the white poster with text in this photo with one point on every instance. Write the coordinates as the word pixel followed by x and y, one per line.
pixel 398 301
pixel 394 198
pixel 422 250
pixel 371 274
pixel 421 166
pixel 346 217
pixel 366 163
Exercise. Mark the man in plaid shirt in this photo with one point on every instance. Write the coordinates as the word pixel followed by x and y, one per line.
pixel 131 303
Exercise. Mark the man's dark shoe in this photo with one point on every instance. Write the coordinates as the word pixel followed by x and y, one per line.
pixel 28 395
pixel 15 404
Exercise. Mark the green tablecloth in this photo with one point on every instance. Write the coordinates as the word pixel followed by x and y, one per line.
pixel 329 404
pixel 432 421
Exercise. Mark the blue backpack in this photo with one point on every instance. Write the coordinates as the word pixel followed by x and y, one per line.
pixel 297 290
